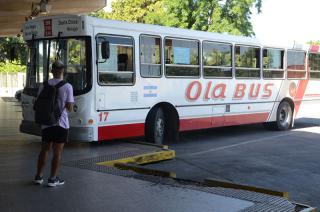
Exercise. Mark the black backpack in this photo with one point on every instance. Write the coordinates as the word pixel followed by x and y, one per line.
pixel 47 111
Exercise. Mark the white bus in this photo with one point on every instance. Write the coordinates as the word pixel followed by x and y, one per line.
pixel 134 80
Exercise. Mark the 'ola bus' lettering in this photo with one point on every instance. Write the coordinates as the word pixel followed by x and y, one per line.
pixel 267 91
pixel 218 91
pixel 239 91
pixel 197 85
pixel 206 96
pixel 254 91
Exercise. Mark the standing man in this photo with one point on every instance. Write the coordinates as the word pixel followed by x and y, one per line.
pixel 55 135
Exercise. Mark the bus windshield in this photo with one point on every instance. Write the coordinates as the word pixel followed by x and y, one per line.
pixel 75 54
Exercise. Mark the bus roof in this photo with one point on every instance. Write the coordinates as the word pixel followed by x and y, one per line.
pixel 78 25
pixel 171 31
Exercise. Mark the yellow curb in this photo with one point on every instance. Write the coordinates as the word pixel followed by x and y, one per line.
pixel 224 184
pixel 144 158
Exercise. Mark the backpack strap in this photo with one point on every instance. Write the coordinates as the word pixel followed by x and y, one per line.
pixel 45 83
pixel 60 84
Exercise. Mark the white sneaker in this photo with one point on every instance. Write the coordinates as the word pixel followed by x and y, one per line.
pixel 38 180
pixel 55 182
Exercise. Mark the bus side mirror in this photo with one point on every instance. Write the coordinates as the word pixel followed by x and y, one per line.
pixel 105 50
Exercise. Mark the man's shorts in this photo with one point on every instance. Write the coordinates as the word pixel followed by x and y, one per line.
pixel 55 134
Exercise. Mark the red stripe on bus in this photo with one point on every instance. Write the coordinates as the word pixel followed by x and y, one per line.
pixel 245 119
pixel 136 130
pixel 120 131
pixel 195 123
pixel 312 95
pixel 229 120
pixel 300 93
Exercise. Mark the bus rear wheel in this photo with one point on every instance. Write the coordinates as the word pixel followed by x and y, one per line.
pixel 284 118
pixel 156 125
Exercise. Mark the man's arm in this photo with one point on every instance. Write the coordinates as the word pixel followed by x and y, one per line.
pixel 70 99
pixel 69 106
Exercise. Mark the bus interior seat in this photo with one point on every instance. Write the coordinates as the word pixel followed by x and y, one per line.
pixel 122 62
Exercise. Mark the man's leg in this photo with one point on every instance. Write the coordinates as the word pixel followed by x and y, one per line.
pixel 57 151
pixel 43 156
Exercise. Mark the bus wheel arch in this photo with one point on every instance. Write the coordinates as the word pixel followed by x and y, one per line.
pixel 162 116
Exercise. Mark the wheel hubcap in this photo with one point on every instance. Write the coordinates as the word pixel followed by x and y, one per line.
pixel 160 127
pixel 284 115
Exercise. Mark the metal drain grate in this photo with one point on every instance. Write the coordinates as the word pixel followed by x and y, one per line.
pixel 262 202
pixel 91 163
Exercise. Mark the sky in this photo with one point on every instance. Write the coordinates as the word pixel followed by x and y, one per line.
pixel 284 22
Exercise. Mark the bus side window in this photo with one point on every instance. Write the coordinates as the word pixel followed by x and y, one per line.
pixel 247 61
pixel 296 67
pixel 150 56
pixel 182 58
pixel 314 65
pixel 118 69
pixel 217 59
pixel 273 63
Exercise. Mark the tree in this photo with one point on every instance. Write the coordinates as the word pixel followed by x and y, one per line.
pixel 232 16
pixel 314 42
pixel 7 45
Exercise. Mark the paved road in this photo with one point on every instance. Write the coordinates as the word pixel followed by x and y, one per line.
pixel 284 161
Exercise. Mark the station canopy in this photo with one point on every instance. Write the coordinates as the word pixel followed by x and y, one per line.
pixel 13 13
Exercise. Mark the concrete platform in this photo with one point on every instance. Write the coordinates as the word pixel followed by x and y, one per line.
pixel 92 188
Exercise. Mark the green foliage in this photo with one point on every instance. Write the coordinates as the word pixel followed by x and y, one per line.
pixel 232 16
pixel 11 67
pixel 18 44
pixel 6 44
pixel 314 42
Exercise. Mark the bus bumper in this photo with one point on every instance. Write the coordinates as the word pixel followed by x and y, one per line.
pixel 83 134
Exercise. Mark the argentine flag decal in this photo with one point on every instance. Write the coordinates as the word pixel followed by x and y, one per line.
pixel 150 91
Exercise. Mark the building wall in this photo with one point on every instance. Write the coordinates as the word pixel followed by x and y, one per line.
pixel 10 83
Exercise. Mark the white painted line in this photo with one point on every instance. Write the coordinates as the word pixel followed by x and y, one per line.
pixel 315 129
pixel 238 144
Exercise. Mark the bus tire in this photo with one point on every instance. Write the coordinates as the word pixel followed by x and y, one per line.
pixel 284 118
pixel 155 126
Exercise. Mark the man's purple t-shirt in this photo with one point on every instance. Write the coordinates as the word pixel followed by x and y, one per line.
pixel 65 95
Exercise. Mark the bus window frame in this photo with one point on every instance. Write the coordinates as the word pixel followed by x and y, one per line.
pixel 235 67
pixel 161 55
pixel 305 65
pixel 232 59
pixel 283 61
pixel 164 57
pixel 309 70
pixel 133 59
pixel 89 61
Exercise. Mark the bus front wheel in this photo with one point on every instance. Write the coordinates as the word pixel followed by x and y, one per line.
pixel 155 126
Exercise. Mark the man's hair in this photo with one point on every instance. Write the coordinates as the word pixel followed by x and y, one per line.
pixel 57 65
